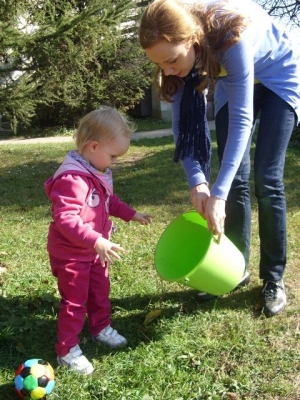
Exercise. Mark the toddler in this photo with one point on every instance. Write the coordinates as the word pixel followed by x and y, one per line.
pixel 79 245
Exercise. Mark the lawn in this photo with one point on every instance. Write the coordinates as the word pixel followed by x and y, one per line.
pixel 222 349
pixel 141 124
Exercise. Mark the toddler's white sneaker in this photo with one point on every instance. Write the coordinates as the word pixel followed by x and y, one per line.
pixel 76 361
pixel 110 337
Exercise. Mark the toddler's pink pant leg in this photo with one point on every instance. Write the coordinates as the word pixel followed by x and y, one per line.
pixel 75 280
pixel 98 306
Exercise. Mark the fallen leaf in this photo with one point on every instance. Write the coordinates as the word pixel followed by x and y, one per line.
pixel 3 270
pixel 231 396
pixel 20 347
pixel 195 361
pixel 183 357
pixel 151 316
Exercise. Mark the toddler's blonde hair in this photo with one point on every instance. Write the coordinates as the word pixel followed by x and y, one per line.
pixel 101 124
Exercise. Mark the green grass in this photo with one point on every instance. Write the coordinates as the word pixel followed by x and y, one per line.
pixel 223 349
pixel 142 124
pixel 150 124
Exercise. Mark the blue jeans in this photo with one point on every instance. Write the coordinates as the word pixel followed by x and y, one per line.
pixel 277 120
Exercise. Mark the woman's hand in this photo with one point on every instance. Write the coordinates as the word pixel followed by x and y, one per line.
pixel 199 197
pixel 215 215
pixel 107 250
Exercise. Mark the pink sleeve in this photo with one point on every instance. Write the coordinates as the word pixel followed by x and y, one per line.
pixel 67 207
pixel 119 209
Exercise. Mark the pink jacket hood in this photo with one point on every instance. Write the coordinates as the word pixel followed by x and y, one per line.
pixel 72 166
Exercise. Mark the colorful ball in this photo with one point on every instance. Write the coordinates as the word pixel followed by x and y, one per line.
pixel 34 379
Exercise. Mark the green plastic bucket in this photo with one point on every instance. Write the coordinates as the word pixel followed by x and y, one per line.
pixel 187 253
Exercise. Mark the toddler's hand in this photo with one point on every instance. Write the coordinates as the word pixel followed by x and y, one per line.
pixel 107 250
pixel 142 218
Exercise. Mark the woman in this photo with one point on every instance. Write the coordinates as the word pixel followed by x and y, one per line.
pixel 249 61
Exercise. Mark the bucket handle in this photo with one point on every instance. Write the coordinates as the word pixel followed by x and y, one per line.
pixel 217 238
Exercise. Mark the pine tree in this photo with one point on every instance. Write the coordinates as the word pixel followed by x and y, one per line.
pixel 71 56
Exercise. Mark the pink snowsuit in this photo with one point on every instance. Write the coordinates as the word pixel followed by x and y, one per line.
pixel 82 202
